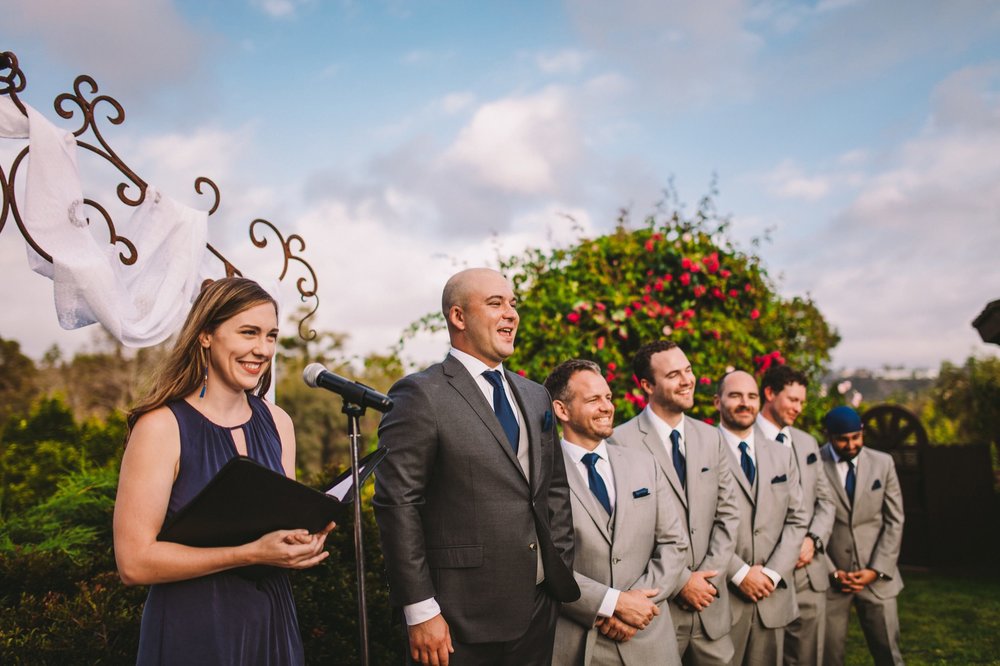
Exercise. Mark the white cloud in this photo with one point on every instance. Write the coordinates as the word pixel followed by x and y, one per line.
pixel 568 61
pixel 457 102
pixel 906 266
pixel 787 181
pixel 518 144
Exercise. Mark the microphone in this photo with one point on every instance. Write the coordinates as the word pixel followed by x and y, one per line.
pixel 316 376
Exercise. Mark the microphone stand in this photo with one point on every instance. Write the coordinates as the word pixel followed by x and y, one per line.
pixel 354 413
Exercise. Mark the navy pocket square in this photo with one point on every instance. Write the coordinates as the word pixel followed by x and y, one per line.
pixel 704 469
pixel 642 492
pixel 547 421
pixel 811 458
pixel 779 479
pixel 876 485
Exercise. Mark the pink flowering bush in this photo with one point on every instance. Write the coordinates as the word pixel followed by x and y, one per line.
pixel 671 277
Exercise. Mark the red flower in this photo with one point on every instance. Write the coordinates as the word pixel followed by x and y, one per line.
pixel 725 273
pixel 755 313
pixel 628 311
pixel 688 313
pixel 715 333
pixel 522 373
pixel 647 298
pixel 610 377
pixel 711 262
pixel 636 305
pixel 612 365
pixel 668 277
pixel 705 380
pixel 573 317
pixel 685 279
pixel 699 290
pixel 733 293
pixel 649 273
pixel 600 306
pixel 649 245
pixel 709 420
pixel 718 293
pixel 657 236
pixel 686 264
pixel 600 342
pixel 658 285
pixel 748 287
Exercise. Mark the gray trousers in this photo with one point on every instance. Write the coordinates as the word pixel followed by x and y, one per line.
pixel 753 643
pixel 804 636
pixel 696 648
pixel 879 622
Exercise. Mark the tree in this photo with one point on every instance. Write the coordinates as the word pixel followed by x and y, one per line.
pixel 18 380
pixel 676 277
pixel 964 403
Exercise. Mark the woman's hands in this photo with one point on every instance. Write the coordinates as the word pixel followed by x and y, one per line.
pixel 291 549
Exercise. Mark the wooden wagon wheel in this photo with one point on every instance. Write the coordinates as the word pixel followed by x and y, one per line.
pixel 891 427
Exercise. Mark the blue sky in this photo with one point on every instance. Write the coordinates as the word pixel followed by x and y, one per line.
pixel 862 137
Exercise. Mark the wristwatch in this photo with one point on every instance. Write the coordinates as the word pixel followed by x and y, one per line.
pixel 816 541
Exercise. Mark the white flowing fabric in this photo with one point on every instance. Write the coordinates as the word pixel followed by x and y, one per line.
pixel 140 305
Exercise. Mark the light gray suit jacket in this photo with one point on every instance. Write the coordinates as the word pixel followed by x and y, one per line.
pixel 646 548
pixel 707 509
pixel 869 536
pixel 457 518
pixel 771 528
pixel 817 501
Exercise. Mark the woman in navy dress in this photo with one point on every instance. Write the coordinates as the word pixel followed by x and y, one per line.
pixel 205 408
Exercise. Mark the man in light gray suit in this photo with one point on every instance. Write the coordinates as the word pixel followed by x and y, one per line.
pixel 771 527
pixel 784 393
pixel 864 545
pixel 630 550
pixel 693 459
pixel 472 503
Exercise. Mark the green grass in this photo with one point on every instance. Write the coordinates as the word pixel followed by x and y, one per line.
pixel 945 618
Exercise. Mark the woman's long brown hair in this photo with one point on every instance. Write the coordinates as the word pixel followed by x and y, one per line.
pixel 183 370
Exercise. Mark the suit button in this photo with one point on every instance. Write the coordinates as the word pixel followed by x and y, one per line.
pixel 615 560
pixel 532 546
pixel 756 532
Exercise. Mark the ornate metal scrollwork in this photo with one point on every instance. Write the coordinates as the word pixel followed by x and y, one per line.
pixel 307 284
pixel 132 190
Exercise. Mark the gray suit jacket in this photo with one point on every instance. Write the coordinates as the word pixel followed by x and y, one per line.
pixel 772 526
pixel 817 501
pixel 871 534
pixel 707 509
pixel 457 518
pixel 646 548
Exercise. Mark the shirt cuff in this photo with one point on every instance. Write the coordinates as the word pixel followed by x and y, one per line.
pixel 609 604
pixel 421 611
pixel 772 574
pixel 740 575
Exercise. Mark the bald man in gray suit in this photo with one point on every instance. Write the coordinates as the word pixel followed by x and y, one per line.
pixel 771 528
pixel 630 550
pixel 864 545
pixel 691 457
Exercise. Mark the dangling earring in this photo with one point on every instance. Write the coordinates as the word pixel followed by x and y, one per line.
pixel 204 381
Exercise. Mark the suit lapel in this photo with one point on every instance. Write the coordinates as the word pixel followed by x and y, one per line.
pixel 466 387
pixel 652 441
pixel 741 478
pixel 624 484
pixel 532 422
pixel 863 483
pixel 767 465
pixel 581 489
pixel 830 465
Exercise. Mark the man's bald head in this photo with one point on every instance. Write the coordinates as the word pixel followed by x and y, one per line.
pixel 461 285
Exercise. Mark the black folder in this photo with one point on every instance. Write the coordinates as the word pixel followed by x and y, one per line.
pixel 246 500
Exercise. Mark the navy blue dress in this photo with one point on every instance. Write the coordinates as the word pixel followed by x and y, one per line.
pixel 221 618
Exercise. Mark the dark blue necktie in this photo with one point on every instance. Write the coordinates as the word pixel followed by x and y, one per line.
pixel 596 482
pixel 780 437
pixel 680 465
pixel 850 481
pixel 502 408
pixel 747 464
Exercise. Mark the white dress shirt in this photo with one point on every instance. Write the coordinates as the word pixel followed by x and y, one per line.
pixel 603 466
pixel 771 431
pixel 663 430
pixel 734 444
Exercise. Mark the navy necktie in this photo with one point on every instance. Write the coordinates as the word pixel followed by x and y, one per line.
pixel 595 481
pixel 780 437
pixel 747 464
pixel 502 408
pixel 850 481
pixel 680 465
